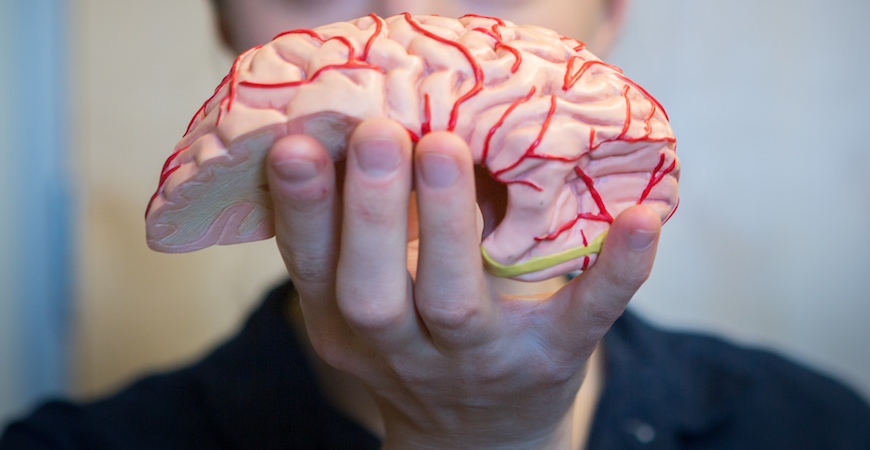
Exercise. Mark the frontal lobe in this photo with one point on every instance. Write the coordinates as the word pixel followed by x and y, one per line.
pixel 571 138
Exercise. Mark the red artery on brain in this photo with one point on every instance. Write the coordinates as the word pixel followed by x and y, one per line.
pixel 564 79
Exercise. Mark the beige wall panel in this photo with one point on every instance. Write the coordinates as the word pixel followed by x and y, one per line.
pixel 142 68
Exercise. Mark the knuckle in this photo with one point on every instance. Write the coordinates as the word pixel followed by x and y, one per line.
pixel 603 312
pixel 370 311
pixel 631 279
pixel 308 199
pixel 549 367
pixel 451 230
pixel 306 268
pixel 453 316
pixel 331 350
pixel 411 374
pixel 609 289
pixel 625 277
pixel 376 211
pixel 372 319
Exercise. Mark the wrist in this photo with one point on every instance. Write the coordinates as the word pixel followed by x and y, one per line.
pixel 558 437
pixel 571 432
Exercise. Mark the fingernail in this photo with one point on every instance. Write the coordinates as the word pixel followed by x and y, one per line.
pixel 640 240
pixel 378 157
pixel 438 171
pixel 295 171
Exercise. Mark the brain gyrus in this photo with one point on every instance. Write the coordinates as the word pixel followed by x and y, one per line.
pixel 572 139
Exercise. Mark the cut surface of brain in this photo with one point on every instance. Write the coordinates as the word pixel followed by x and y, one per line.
pixel 573 141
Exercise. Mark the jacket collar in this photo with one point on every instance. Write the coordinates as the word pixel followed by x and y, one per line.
pixel 661 387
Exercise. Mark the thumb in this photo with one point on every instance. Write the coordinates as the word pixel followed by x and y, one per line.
pixel 600 295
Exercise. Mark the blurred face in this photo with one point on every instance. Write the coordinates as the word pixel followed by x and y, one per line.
pixel 246 23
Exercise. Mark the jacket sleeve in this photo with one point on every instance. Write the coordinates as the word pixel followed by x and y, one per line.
pixel 162 411
pixel 256 390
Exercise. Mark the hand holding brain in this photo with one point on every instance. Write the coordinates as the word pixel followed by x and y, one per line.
pixel 574 141
pixel 451 360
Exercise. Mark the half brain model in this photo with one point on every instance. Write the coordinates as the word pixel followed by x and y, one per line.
pixel 574 141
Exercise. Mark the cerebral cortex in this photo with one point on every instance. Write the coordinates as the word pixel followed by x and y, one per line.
pixel 573 140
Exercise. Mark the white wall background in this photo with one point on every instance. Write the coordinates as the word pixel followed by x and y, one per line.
pixel 770 244
pixel 769 102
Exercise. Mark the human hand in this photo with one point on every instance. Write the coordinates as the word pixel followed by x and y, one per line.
pixel 451 361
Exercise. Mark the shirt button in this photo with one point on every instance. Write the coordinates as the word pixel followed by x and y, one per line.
pixel 642 431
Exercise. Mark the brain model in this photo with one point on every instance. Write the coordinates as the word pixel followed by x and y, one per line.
pixel 572 139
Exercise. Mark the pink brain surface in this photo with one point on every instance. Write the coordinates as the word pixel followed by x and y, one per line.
pixel 573 140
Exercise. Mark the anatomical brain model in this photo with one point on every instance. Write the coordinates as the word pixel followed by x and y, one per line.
pixel 574 141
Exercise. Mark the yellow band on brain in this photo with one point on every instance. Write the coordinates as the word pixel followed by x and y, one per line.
pixel 541 262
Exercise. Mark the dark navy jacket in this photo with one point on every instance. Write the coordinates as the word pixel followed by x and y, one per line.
pixel 664 390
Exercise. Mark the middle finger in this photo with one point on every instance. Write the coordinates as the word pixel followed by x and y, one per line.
pixel 373 284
